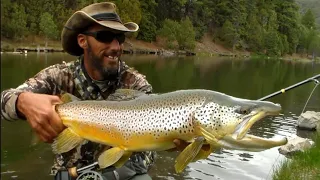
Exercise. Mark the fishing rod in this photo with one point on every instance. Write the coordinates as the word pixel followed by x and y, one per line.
pixel 74 172
pixel 312 79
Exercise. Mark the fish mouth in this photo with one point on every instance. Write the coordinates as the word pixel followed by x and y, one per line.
pixel 248 121
pixel 252 143
pixel 242 141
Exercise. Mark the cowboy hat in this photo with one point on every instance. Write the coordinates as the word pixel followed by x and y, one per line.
pixel 101 13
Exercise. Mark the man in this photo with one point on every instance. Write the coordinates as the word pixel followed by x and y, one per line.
pixel 95 34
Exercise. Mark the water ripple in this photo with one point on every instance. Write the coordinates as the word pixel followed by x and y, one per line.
pixel 8 172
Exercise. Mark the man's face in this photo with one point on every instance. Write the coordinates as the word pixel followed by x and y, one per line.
pixel 104 54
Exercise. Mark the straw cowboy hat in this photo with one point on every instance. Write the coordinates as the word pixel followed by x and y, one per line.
pixel 101 13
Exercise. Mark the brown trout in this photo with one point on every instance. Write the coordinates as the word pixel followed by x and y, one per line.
pixel 152 122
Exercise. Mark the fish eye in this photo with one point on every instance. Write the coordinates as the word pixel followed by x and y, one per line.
pixel 242 110
pixel 245 111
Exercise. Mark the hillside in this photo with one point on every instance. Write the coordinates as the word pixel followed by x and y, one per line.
pixel 314 5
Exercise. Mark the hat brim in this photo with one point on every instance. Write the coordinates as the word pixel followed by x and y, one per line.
pixel 79 21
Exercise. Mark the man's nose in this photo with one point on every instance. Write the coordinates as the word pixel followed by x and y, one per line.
pixel 115 45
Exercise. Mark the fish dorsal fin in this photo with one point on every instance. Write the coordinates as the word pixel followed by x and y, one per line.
pixel 126 95
pixel 67 97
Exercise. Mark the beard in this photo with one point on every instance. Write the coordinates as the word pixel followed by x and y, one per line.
pixel 107 73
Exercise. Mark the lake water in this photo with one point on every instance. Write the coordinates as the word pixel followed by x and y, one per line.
pixel 243 78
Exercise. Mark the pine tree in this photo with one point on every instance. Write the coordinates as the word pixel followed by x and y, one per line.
pixel 309 20
pixel 17 24
pixel 272 43
pixel 47 26
pixel 228 34
pixel 147 25
pixel 185 35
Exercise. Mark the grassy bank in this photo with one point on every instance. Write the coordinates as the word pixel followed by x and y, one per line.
pixel 302 166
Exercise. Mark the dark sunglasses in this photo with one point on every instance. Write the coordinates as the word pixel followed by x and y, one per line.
pixel 106 36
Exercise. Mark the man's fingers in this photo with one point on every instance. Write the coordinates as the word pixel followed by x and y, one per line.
pixel 46 126
pixel 56 123
pixel 45 139
pixel 55 100
pixel 49 129
pixel 43 130
pixel 43 135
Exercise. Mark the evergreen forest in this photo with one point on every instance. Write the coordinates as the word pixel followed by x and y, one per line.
pixel 271 27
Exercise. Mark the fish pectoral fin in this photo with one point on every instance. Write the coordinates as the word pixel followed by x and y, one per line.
pixel 203 154
pixel 66 141
pixel 110 157
pixel 188 154
pixel 209 136
pixel 67 97
pixel 126 155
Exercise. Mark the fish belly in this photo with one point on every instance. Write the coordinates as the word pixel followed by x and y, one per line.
pixel 132 138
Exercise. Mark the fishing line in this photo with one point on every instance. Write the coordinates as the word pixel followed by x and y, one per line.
pixel 316 85
pixel 273 166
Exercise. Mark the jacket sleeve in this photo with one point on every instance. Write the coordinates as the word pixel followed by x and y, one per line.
pixel 132 79
pixel 47 81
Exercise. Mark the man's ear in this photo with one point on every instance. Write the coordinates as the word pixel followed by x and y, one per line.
pixel 82 41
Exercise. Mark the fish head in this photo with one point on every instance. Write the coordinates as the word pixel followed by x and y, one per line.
pixel 229 119
pixel 249 112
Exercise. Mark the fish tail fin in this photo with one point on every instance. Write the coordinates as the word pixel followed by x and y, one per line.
pixel 66 141
pixel 110 156
pixel 188 154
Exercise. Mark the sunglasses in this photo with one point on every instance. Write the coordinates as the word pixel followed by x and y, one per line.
pixel 106 36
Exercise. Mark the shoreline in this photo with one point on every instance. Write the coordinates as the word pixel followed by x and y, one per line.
pixel 301 165
pixel 163 52
pixel 133 46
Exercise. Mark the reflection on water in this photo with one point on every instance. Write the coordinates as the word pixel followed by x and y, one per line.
pixel 250 79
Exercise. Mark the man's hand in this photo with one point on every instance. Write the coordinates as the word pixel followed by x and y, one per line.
pixel 39 110
pixel 181 145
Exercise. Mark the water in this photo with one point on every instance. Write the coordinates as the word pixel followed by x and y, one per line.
pixel 245 78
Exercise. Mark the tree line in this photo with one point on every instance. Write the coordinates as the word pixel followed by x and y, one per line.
pixel 272 27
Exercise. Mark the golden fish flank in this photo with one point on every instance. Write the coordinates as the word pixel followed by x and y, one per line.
pixel 152 122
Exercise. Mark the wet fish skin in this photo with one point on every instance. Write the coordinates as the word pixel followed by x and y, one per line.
pixel 151 123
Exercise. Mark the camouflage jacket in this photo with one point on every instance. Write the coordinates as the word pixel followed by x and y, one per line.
pixel 72 78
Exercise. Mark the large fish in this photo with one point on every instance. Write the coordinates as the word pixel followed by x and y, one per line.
pixel 152 122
